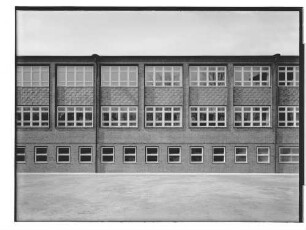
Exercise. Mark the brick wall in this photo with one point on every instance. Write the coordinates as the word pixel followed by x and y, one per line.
pixel 252 96
pixel 163 96
pixel 207 96
pixel 32 96
pixel 288 96
pixel 74 95
pixel 119 96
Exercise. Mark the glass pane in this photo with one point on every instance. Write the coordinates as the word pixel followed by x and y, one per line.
pixel 174 150
pixel 174 158
pixel 196 150
pixel 196 158
pixel 218 158
pixel 107 158
pixel 129 159
pixel 41 158
pixel 85 150
pixel 63 150
pixel 151 150
pixel 129 150
pixel 64 158
pixel 151 158
pixel 218 150
pixel 86 158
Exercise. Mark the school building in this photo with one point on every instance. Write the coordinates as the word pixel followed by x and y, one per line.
pixel 221 114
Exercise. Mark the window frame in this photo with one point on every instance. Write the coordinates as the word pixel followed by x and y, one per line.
pixel 207 71
pixel 176 154
pixel 32 109
pixel 295 70
pixel 65 83
pixel 119 112
pixel 75 121
pixel 207 112
pixel 163 120
pixel 129 154
pixel 251 71
pixel 112 154
pixel 85 154
pixel 246 155
pixel 251 121
pixel 268 154
pixel 40 154
pixel 291 155
pixel 20 75
pixel 201 154
pixel 66 154
pixel 295 111
pixel 102 84
pixel 18 154
pixel 172 82
pixel 152 154
pixel 218 154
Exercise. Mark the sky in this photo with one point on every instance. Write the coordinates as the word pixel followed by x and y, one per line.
pixel 157 33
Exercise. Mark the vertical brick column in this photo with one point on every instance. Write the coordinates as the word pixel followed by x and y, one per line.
pixel 52 96
pixel 141 96
pixel 185 82
pixel 274 111
pixel 230 96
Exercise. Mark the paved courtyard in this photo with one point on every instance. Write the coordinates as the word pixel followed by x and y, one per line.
pixel 157 197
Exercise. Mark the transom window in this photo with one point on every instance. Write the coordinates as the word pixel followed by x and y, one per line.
pixel 129 154
pixel 74 116
pixel 151 154
pixel 218 154
pixel 263 155
pixel 107 155
pixel 20 155
pixel 288 75
pixel 32 116
pixel 174 155
pixel 289 154
pixel 74 76
pixel 33 76
pixel 288 116
pixel 126 76
pixel 119 116
pixel 252 116
pixel 196 154
pixel 207 116
pixel 163 116
pixel 168 76
pixel 207 75
pixel 63 154
pixel 85 154
pixel 252 75
pixel 241 155
pixel 41 155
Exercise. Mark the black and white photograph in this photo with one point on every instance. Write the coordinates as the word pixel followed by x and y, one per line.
pixel 159 114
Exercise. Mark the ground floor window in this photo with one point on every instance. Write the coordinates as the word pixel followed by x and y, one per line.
pixel 107 155
pixel 63 154
pixel 151 154
pixel 129 154
pixel 289 154
pixel 196 154
pixel 174 155
pixel 85 154
pixel 41 155
pixel 241 155
pixel 218 154
pixel 263 155
pixel 20 154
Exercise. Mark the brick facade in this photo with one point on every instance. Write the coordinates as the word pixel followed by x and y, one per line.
pixel 288 96
pixel 75 96
pixel 163 96
pixel 119 96
pixel 252 96
pixel 32 95
pixel 208 96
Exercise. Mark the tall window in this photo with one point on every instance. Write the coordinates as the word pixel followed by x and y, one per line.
pixel 288 116
pixel 263 155
pixel 85 154
pixel 252 116
pixel 107 155
pixel 41 155
pixel 126 76
pixel 174 155
pixel 129 154
pixel 289 154
pixel 196 154
pixel 288 76
pixel 163 116
pixel 218 154
pixel 33 76
pixel 32 116
pixel 241 155
pixel 74 116
pixel 74 76
pixel 119 116
pixel 207 75
pixel 20 155
pixel 168 76
pixel 252 75
pixel 63 154
pixel 151 154
pixel 207 116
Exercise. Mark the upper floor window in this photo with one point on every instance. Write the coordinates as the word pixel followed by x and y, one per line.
pixel 126 76
pixel 288 116
pixel 33 76
pixel 288 76
pixel 207 116
pixel 74 76
pixel 207 75
pixel 252 75
pixel 163 116
pixel 119 116
pixel 167 76
pixel 252 116
pixel 74 116
pixel 32 116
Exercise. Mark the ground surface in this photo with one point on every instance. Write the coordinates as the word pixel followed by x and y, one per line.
pixel 155 197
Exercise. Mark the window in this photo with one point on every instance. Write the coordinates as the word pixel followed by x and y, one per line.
pixel 207 116
pixel 207 75
pixel 63 154
pixel 129 154
pixel 252 75
pixel 20 154
pixel 289 154
pixel 74 116
pixel 218 154
pixel 107 155
pixel 252 116
pixel 151 154
pixel 119 76
pixel 167 76
pixel 288 116
pixel 33 76
pixel 32 116
pixel 74 76
pixel 288 76
pixel 85 154
pixel 119 116
pixel 263 155
pixel 41 155
pixel 163 116
pixel 174 155
pixel 241 155
pixel 196 154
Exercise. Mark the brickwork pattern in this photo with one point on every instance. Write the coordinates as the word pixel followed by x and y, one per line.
pixel 252 96
pixel 119 96
pixel 288 96
pixel 207 96
pixel 163 96
pixel 75 95
pixel 32 96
